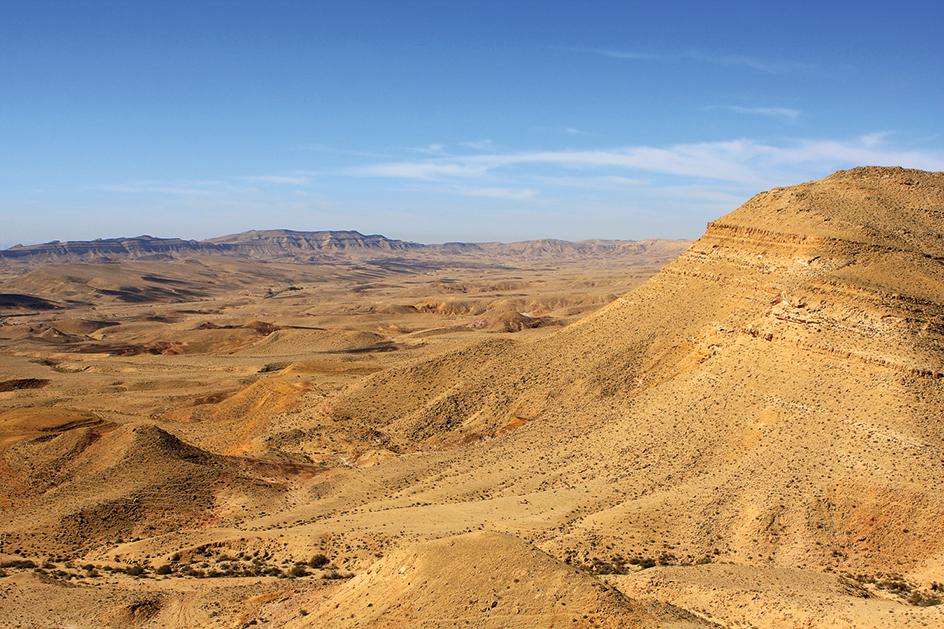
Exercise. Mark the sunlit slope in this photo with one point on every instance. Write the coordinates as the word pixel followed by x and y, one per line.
pixel 477 580
pixel 773 395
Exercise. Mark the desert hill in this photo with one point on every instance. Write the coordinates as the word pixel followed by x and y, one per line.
pixel 749 436
pixel 282 245
pixel 477 580
pixel 772 394
pixel 78 481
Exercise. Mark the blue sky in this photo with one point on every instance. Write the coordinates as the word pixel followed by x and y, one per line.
pixel 450 120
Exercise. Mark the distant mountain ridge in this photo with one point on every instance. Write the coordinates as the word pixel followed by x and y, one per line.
pixel 284 245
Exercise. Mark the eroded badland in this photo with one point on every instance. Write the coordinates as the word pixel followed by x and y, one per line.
pixel 744 431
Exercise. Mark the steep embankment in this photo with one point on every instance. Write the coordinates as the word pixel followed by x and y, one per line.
pixel 771 397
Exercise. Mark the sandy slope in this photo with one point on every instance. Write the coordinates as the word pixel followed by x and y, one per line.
pixel 761 419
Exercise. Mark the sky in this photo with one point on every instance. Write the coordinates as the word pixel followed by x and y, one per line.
pixel 437 121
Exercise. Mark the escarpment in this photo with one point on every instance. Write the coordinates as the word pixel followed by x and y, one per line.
pixel 772 394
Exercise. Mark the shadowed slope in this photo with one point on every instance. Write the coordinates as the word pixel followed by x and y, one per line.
pixel 73 482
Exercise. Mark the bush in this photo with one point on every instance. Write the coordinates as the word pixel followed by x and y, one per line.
pixel 923 600
pixel 318 561
pixel 134 571
pixel 298 570
pixel 165 569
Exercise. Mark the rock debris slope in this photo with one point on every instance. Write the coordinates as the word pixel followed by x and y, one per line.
pixel 772 397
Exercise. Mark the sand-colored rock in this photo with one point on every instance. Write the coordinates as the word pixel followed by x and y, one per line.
pixel 475 580
pixel 759 420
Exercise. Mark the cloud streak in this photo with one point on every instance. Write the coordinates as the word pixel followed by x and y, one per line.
pixel 763 65
pixel 282 179
pixel 774 112
pixel 746 162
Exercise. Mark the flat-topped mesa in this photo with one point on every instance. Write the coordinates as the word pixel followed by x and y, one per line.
pixel 283 245
pixel 106 250
pixel 286 243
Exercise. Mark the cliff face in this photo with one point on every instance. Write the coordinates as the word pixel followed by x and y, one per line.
pixel 282 245
pixel 774 393
pixel 105 250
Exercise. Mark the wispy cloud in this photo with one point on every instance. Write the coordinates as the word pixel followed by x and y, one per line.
pixel 195 188
pixel 774 112
pixel 612 182
pixel 422 170
pixel 429 149
pixel 324 148
pixel 746 162
pixel 282 179
pixel 876 139
pixel 620 54
pixel 768 66
pixel 498 193
pixel 481 145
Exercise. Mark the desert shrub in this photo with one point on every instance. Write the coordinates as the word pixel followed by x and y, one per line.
pixel 895 585
pixel 298 570
pixel 134 571
pixel 335 574
pixel 923 600
pixel 667 559
pixel 318 561
pixel 164 569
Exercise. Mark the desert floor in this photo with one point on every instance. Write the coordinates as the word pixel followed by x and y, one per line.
pixel 189 464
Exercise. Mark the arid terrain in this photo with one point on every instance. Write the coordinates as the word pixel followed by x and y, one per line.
pixel 325 429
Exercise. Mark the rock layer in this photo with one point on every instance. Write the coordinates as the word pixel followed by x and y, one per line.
pixel 772 395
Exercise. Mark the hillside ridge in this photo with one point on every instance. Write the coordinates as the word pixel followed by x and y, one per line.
pixel 283 245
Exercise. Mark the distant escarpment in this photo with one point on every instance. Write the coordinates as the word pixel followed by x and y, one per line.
pixel 284 245
pixel 773 395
